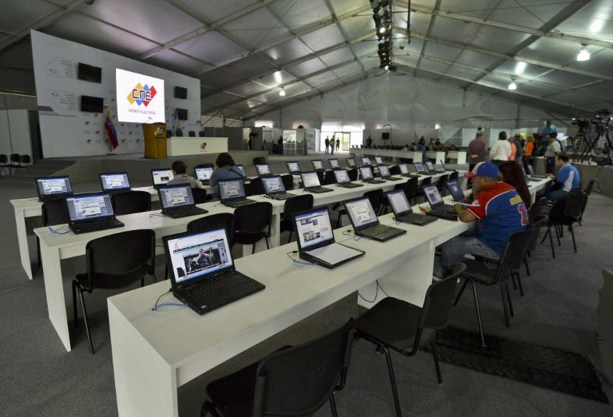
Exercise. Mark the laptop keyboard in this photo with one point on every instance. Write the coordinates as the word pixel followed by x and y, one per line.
pixel 350 185
pixel 185 212
pixel 94 226
pixel 318 190
pixel 219 284
pixel 415 218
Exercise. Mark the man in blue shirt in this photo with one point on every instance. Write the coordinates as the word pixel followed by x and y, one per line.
pixel 225 169
pixel 549 128
pixel 568 179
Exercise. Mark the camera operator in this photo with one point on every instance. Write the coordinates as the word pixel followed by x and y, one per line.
pixel 552 151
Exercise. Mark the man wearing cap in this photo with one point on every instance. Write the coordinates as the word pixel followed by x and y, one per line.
pixel 498 211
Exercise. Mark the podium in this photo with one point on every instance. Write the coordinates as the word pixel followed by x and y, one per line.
pixel 155 140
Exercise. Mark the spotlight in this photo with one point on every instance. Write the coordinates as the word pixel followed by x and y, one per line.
pixel 583 54
pixel 282 92
pixel 512 86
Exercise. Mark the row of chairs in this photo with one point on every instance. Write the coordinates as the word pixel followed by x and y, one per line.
pixel 14 161
pixel 179 132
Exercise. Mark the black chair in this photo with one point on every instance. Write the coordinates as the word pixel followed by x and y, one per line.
pixel 320 175
pixel 15 159
pixel 294 205
pixel 352 174
pixel 191 134
pixel 113 262
pixel 252 223
pixel 4 164
pixel 25 160
pixel 53 212
pixel 288 181
pixel 168 133
pixel 178 132
pixel 293 381
pixel 395 170
pixel 453 176
pixel 329 178
pixel 420 190
pixel 258 160
pixel 256 186
pixel 566 212
pixel 200 195
pixel 441 184
pixel 536 231
pixel 588 190
pixel 411 189
pixel 201 134
pixel 404 327
pixel 212 222
pixel 131 202
pixel 496 272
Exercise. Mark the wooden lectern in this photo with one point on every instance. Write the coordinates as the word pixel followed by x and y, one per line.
pixel 155 140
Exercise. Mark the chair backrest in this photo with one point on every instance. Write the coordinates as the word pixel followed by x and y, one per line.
pixel 212 222
pixel 442 182
pixel 178 132
pixel 536 230
pixel 15 158
pixel 120 258
pixel 426 181
pixel 288 181
pixel 411 187
pixel 191 134
pixel 258 160
pixel 353 174
pixel 201 134
pixel 395 170
pixel 299 380
pixel 376 198
pixel 539 210
pixel 3 159
pixel 295 204
pixel 515 251
pixel 330 178
pixel 131 202
pixel 199 195
pixel 439 300
pixel 575 202
pixel 253 218
pixel 453 176
pixel 320 175
pixel 257 187
pixel 25 159
pixel 55 212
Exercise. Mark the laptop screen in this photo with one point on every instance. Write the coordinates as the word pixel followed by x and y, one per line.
pixel 398 201
pixel 313 228
pixel 293 167
pixel 366 173
pixel 161 176
pixel 420 167
pixel 365 161
pixel 384 171
pixel 378 160
pixel 89 206
pixel 231 189
pixel 273 184
pixel 263 169
pixel 318 165
pixel 115 181
pixel 195 255
pixel 240 169
pixel 204 173
pixel 430 166
pixel 53 186
pixel 176 196
pixel 310 179
pixel 334 163
pixel 434 197
pixel 404 168
pixel 455 190
pixel 350 162
pixel 361 213
pixel 341 176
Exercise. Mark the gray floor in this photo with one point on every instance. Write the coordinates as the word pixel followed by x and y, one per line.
pixel 40 378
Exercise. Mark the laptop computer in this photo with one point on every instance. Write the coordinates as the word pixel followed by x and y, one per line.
pixel 366 161
pixel 53 188
pixel 334 164
pixel 404 171
pixel 91 213
pixel 367 176
pixel 420 168
pixel 203 274
pixel 430 167
pixel 456 192
pixel 378 160
pixel 366 223
pixel 203 174
pixel 161 176
pixel 318 165
pixel 114 182
pixel 437 207
pixel 177 201
pixel 384 171
pixel 343 180
pixel 293 167
pixel 232 193
pixel 263 169
pixel 316 240
pixel 274 188
pixel 443 169
pixel 350 162
pixel 402 209
pixel 311 183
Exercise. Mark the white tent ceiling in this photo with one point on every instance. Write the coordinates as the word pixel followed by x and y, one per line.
pixel 245 51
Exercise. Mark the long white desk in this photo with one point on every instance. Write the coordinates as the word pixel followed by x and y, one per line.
pixel 416 156
pixel 154 353
pixel 459 156
pixel 182 145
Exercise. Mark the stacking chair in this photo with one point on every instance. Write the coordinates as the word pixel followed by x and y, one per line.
pixel 191 134
pixel 404 327
pixel 113 262
pixel 566 212
pixel 4 164
pixel 353 174
pixel 212 222
pixel 252 223
pixel 25 160
pixel 15 160
pixel 131 202
pixel 453 176
pixel 256 186
pixel 53 212
pixel 330 178
pixel 293 381
pixel 495 272
pixel 178 132
pixel 259 160
pixel 200 195
pixel 288 181
pixel 420 190
pixel 441 184
pixel 588 190
pixel 294 205
pixel 395 170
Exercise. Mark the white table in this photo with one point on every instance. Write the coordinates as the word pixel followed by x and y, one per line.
pixel 181 145
pixel 416 156
pixel 458 156
pixel 437 156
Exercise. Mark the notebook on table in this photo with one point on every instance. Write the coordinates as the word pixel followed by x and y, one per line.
pixel 343 180
pixel 263 170
pixel 114 182
pixel 420 168
pixel 402 209
pixel 350 162
pixel 161 176
pixel 430 168
pixel 53 188
pixel 232 193
pixel 293 167
pixel 366 223
pixel 367 176
pixel 203 174
pixel 437 207
pixel 203 275
pixel 178 201
pixel 312 184
pixel 385 173
pixel 274 188
pixel 318 165
pixel 316 240
pixel 91 213
pixel 334 164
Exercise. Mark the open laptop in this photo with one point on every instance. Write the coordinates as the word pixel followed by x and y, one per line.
pixel 177 201
pixel 316 240
pixel 367 176
pixel 456 192
pixel 366 223
pixel 430 167
pixel 232 193
pixel 420 168
pixel 53 188
pixel 385 173
pixel 263 169
pixel 293 167
pixel 437 207
pixel 311 183
pixel 274 188
pixel 161 176
pixel 114 182
pixel 334 164
pixel 203 174
pixel 350 162
pixel 366 161
pixel 318 165
pixel 91 212
pixel 378 160
pixel 402 209
pixel 343 180
pixel 404 171
pixel 443 168
pixel 203 273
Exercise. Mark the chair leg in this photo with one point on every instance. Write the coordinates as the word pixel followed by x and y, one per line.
pixel 572 234
pixel 253 249
pixel 74 305
pixel 267 242
pixel 461 292
pixel 519 284
pixel 508 293
pixel 439 377
pixel 505 307
pixel 514 282
pixel 558 235
pixel 289 238
pixel 553 251
pixel 527 268
pixel 89 336
pixel 478 313
pixel 390 369
pixel 40 261
pixel 332 402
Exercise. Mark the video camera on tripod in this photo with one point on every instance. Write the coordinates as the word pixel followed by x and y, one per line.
pixel 602 118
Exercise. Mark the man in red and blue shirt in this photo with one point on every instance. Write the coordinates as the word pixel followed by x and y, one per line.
pixel 498 211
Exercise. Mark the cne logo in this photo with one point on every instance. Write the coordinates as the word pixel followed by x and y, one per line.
pixel 142 94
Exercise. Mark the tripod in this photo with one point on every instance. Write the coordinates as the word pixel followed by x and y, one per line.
pixel 600 130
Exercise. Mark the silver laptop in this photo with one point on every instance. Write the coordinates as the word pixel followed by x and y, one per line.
pixel 334 164
pixel 350 162
pixel 366 161
pixel 379 160
pixel 420 168
pixel 402 209
pixel 293 167
pixel 385 173
pixel 437 207
pixel 318 165
pixel 311 183
pixel 343 180
pixel 367 175
pixel 232 193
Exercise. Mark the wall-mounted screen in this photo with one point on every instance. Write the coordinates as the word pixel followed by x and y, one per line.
pixel 385 135
pixel 181 114
pixel 89 73
pixel 180 92
pixel 140 98
pixel 92 104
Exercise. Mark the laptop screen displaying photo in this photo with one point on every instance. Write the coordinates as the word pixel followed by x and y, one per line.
pixel 430 166
pixel 404 168
pixel 263 169
pixel 361 213
pixel 89 207
pixel 314 228
pixel 293 167
pixel 455 190
pixel 195 255
pixel 161 176
pixel 53 186
pixel 231 189
pixel 273 184
pixel 420 167
pixel 434 197
pixel 366 173
pixel 365 161
pixel 310 179
pixel 398 201
pixel 176 196
pixel 318 165
pixel 341 176
pixel 334 163
pixel 350 162
pixel 384 171
pixel 378 160
pixel 204 173
pixel 115 181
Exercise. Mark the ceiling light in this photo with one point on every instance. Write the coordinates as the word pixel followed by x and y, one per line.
pixel 387 67
pixel 596 25
pixel 583 54
pixel 282 92
pixel 382 29
pixel 520 67
pixel 437 126
pixel 512 86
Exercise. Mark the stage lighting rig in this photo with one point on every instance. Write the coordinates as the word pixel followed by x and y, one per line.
pixel 383 17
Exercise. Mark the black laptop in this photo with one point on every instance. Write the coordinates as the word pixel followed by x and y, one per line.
pixel 385 173
pixel 343 180
pixel 203 274
pixel 293 167
pixel 53 188
pixel 318 165
pixel 177 201
pixel 114 182
pixel 366 161
pixel 456 192
pixel 334 164
pixel 274 188
pixel 263 170
pixel 405 172
pixel 91 213
pixel 203 174
pixel 232 193
pixel 443 168
pixel 316 240
pixel 310 180
pixel 366 223
pixel 420 168
pixel 378 160
pixel 367 176
pixel 350 162
pixel 437 207
pixel 402 209
pixel 161 176
pixel 430 168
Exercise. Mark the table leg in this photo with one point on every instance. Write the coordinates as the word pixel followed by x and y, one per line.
pixel 22 239
pixel 54 289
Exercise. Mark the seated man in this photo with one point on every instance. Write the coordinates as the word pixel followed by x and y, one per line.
pixel 567 180
pixel 179 170
pixel 498 210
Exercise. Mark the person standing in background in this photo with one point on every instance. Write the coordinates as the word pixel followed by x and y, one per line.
pixel 528 158
pixel 501 151
pixel 548 128
pixel 338 145
pixel 327 143
pixel 513 148
pixel 552 151
pixel 332 143
pixel 477 150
